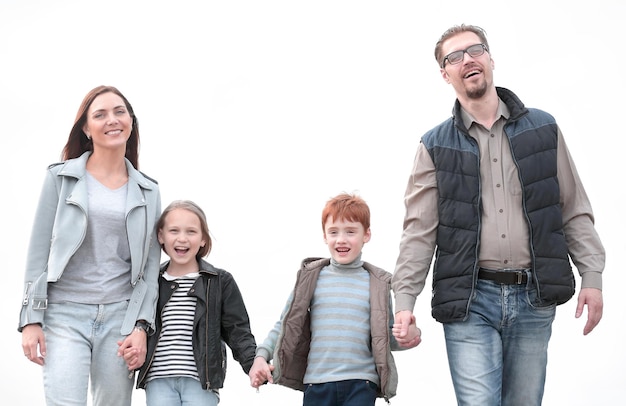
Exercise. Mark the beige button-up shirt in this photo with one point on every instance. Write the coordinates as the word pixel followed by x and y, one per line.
pixel 504 231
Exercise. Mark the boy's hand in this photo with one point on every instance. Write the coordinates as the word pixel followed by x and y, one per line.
pixel 414 337
pixel 402 321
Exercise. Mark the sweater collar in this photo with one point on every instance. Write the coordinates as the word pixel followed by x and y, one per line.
pixel 356 264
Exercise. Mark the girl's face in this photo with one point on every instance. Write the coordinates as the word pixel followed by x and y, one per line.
pixel 109 123
pixel 345 239
pixel 181 238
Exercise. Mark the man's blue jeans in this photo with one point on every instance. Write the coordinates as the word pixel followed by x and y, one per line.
pixel 498 356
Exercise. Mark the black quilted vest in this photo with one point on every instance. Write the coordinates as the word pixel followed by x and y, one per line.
pixel 532 135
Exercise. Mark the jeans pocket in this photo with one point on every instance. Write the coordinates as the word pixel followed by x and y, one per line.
pixel 372 386
pixel 533 301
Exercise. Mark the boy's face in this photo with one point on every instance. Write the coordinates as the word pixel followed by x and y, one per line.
pixel 345 239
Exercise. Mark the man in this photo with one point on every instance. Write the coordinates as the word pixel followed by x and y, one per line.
pixel 495 192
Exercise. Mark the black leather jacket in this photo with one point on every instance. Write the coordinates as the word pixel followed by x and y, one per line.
pixel 221 317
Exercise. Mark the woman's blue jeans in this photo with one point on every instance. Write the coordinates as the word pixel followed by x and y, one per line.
pixel 81 342
pixel 498 356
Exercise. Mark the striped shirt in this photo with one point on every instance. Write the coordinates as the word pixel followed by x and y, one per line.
pixel 174 352
pixel 340 326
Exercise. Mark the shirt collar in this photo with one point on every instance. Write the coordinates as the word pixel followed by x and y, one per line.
pixel 468 119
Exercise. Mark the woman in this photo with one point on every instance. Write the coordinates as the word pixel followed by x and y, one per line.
pixel 90 286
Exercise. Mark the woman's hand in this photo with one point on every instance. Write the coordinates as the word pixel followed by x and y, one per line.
pixel 34 343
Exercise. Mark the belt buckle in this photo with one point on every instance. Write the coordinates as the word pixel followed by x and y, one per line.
pixel 519 275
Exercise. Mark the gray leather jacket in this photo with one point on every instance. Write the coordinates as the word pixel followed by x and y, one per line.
pixel 59 229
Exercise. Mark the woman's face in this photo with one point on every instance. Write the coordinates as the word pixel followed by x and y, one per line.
pixel 109 123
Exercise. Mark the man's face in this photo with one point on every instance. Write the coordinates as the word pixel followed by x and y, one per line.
pixel 472 76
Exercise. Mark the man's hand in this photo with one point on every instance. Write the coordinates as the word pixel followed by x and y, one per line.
pixel 592 298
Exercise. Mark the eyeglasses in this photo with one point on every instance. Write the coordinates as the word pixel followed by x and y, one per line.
pixel 457 56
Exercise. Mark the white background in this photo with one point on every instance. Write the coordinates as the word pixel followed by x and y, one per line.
pixel 262 110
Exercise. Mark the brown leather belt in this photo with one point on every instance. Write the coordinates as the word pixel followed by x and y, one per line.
pixel 505 277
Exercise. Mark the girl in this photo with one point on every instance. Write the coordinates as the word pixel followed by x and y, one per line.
pixel 200 307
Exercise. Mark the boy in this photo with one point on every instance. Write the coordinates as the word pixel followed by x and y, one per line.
pixel 333 340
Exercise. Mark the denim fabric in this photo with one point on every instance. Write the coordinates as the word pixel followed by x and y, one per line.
pixel 353 392
pixel 179 391
pixel 498 356
pixel 81 343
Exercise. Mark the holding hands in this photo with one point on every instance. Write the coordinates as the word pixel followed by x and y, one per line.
pixel 405 330
pixel 133 349
pixel 260 372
